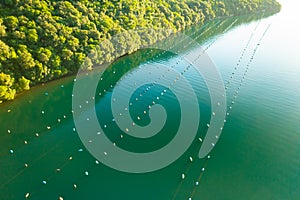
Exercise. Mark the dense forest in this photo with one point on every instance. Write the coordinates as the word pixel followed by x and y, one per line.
pixel 42 40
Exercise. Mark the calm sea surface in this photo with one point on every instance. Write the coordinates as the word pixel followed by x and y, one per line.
pixel 257 156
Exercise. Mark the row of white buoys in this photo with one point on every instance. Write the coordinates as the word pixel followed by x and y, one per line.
pixel 159 78
pixel 44 182
pixel 48 127
pixel 213 113
pixel 246 70
pixel 214 41
pixel 70 158
pixel 171 67
pixel 158 97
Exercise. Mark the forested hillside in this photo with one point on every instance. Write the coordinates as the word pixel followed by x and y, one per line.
pixel 42 40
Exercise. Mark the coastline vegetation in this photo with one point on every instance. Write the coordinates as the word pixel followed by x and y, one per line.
pixel 42 40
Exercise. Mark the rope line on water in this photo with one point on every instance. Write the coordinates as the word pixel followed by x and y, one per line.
pixel 245 73
pixel 59 120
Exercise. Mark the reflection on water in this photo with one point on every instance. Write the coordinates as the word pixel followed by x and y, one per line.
pixel 257 155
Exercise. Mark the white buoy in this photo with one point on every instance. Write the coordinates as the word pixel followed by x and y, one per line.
pixel 191 158
pixel 80 150
pixel 97 162
pixel 182 176
pixel 11 151
pixel 27 195
pixel 86 173
pixel 200 139
pixel 197 183
pixel 203 169
pixel 75 186
pixel 207 125
pixel 60 198
pixel 44 182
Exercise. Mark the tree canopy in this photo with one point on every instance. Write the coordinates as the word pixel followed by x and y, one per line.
pixel 42 40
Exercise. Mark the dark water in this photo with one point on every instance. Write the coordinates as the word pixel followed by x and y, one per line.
pixel 257 156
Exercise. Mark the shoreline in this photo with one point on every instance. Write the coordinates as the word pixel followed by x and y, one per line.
pixel 260 15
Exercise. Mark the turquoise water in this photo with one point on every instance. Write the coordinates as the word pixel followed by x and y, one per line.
pixel 257 156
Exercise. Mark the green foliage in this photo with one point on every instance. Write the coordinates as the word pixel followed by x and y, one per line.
pixel 11 22
pixel 4 51
pixel 6 90
pixel 23 84
pixel 41 40
pixel 32 36
pixel 2 29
